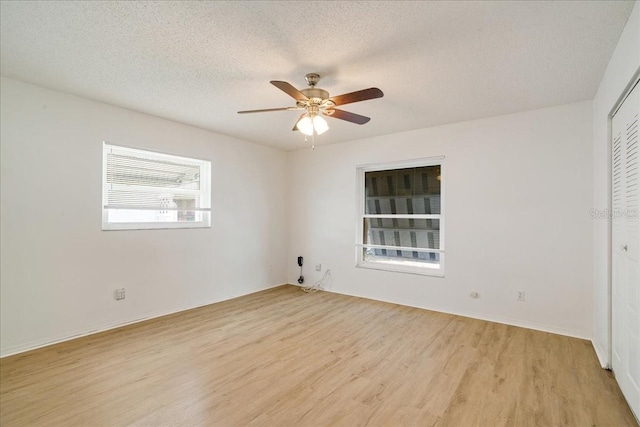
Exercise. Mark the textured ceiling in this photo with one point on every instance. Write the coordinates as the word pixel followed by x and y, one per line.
pixel 200 62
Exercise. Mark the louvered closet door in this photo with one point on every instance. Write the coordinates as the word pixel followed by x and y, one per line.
pixel 626 249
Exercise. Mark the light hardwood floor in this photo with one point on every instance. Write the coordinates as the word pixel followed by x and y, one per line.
pixel 282 357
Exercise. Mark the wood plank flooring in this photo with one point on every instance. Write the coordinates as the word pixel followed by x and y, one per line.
pixel 282 357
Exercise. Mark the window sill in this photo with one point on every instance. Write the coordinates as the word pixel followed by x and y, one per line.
pixel 114 226
pixel 427 270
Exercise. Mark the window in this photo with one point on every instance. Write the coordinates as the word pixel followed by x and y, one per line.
pixel 143 190
pixel 400 217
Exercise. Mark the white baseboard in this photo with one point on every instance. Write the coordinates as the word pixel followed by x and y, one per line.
pixel 554 329
pixel 602 356
pixel 33 345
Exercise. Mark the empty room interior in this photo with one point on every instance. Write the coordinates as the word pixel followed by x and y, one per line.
pixel 310 213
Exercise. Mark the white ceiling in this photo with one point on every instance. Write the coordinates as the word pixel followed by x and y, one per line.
pixel 201 62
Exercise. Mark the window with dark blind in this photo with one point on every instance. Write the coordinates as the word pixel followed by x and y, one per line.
pixel 400 217
pixel 143 189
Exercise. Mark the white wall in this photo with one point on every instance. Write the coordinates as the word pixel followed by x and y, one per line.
pixel 624 64
pixel 59 270
pixel 518 194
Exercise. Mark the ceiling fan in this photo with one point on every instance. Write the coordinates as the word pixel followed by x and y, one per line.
pixel 316 102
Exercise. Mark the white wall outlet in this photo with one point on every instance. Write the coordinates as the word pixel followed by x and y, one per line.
pixel 120 294
pixel 318 267
pixel 473 294
pixel 520 295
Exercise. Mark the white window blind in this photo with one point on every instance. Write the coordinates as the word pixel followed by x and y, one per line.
pixel 143 189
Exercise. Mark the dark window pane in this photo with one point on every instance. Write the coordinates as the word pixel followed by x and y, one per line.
pixel 374 186
pixel 419 188
pixel 390 186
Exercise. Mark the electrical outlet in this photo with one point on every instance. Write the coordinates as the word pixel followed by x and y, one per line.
pixel 520 295
pixel 318 267
pixel 473 294
pixel 120 294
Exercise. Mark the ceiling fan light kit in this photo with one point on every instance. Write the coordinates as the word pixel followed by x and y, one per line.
pixel 305 125
pixel 320 125
pixel 308 125
pixel 316 102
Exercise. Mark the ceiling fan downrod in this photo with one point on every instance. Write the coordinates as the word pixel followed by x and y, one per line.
pixel 312 79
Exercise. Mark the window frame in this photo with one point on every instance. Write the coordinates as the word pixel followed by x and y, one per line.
pixel 361 215
pixel 204 192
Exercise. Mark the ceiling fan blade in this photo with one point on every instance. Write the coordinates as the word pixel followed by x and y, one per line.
pixel 295 126
pixel 269 109
pixel 360 95
pixel 290 90
pixel 345 115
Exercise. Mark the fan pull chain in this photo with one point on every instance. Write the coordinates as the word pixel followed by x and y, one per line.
pixel 313 141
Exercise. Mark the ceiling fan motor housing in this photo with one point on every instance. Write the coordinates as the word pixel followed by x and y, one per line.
pixel 316 95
